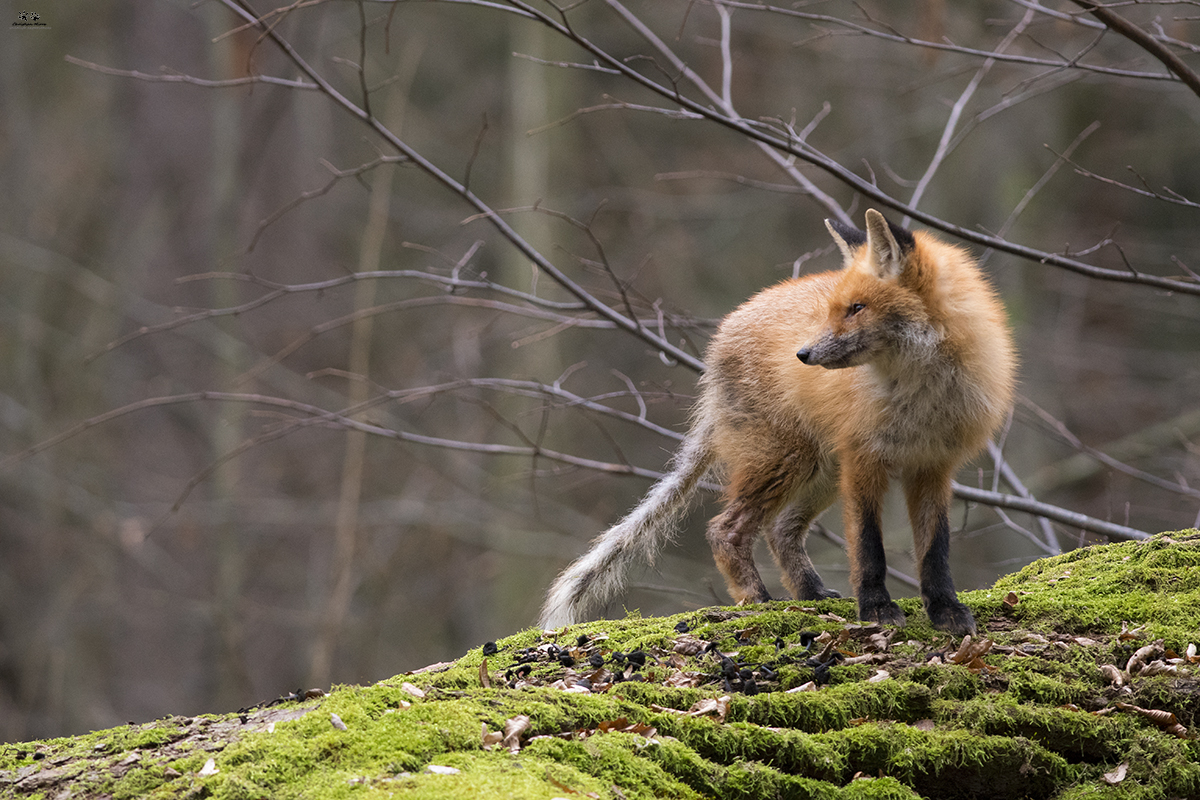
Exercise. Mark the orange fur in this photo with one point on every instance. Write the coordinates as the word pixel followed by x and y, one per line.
pixel 900 365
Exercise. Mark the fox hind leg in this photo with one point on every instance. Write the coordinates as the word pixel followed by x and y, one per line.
pixel 788 533
pixel 754 494
pixel 731 536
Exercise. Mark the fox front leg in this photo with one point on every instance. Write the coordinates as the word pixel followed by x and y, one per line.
pixel 863 487
pixel 928 496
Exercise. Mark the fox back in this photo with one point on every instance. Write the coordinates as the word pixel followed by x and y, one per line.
pixel 917 356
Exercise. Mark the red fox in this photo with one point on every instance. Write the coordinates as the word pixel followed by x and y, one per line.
pixel 898 365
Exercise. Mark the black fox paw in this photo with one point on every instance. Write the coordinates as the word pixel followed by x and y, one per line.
pixel 887 613
pixel 952 617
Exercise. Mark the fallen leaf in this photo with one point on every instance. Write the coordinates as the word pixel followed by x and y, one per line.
pixel 686 680
pixel 1011 599
pixel 412 690
pixel 1112 675
pixel 717 706
pixel 1159 667
pixel 1116 776
pixel 484 681
pixel 689 645
pixel 490 739
pixel 969 651
pixel 438 769
pixel 513 728
pixel 868 658
pixel 1128 633
pixel 881 675
pixel 1141 656
pixel 209 768
pixel 804 687
pixel 1163 719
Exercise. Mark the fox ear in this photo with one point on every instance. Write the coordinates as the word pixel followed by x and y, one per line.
pixel 887 246
pixel 847 238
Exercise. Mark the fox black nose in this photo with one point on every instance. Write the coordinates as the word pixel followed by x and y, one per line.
pixel 804 355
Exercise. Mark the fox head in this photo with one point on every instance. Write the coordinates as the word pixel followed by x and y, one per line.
pixel 876 309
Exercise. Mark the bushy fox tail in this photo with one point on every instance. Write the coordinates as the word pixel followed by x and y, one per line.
pixel 599 574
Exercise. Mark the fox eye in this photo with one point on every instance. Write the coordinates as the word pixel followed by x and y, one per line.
pixel 855 308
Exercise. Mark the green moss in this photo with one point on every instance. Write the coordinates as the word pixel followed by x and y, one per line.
pixel 1154 583
pixel 1013 723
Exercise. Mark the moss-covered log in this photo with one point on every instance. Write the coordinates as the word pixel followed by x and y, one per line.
pixel 1083 682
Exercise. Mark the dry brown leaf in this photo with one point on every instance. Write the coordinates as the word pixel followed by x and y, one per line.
pixel 1159 667
pixel 881 641
pixel 1112 675
pixel 686 680
pixel 718 706
pixel 484 680
pixel 804 687
pixel 1163 719
pixel 490 739
pixel 1141 656
pixel 513 728
pixel 642 729
pixel 1128 633
pixel 969 651
pixel 689 645
pixel 859 721
pixel 868 658
pixel 1011 599
pixel 1116 776
pixel 666 710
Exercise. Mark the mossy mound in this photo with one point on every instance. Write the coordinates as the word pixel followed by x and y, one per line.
pixel 1081 683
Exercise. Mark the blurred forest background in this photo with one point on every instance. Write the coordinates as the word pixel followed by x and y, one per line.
pixel 229 467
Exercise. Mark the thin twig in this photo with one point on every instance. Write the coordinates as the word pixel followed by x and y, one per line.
pixel 173 78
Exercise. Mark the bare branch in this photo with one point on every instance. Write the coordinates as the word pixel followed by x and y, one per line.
pixel 1070 438
pixel 944 146
pixel 502 227
pixel 176 78
pixel 1144 40
pixel 1082 521
pixel 772 142
pixel 948 47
